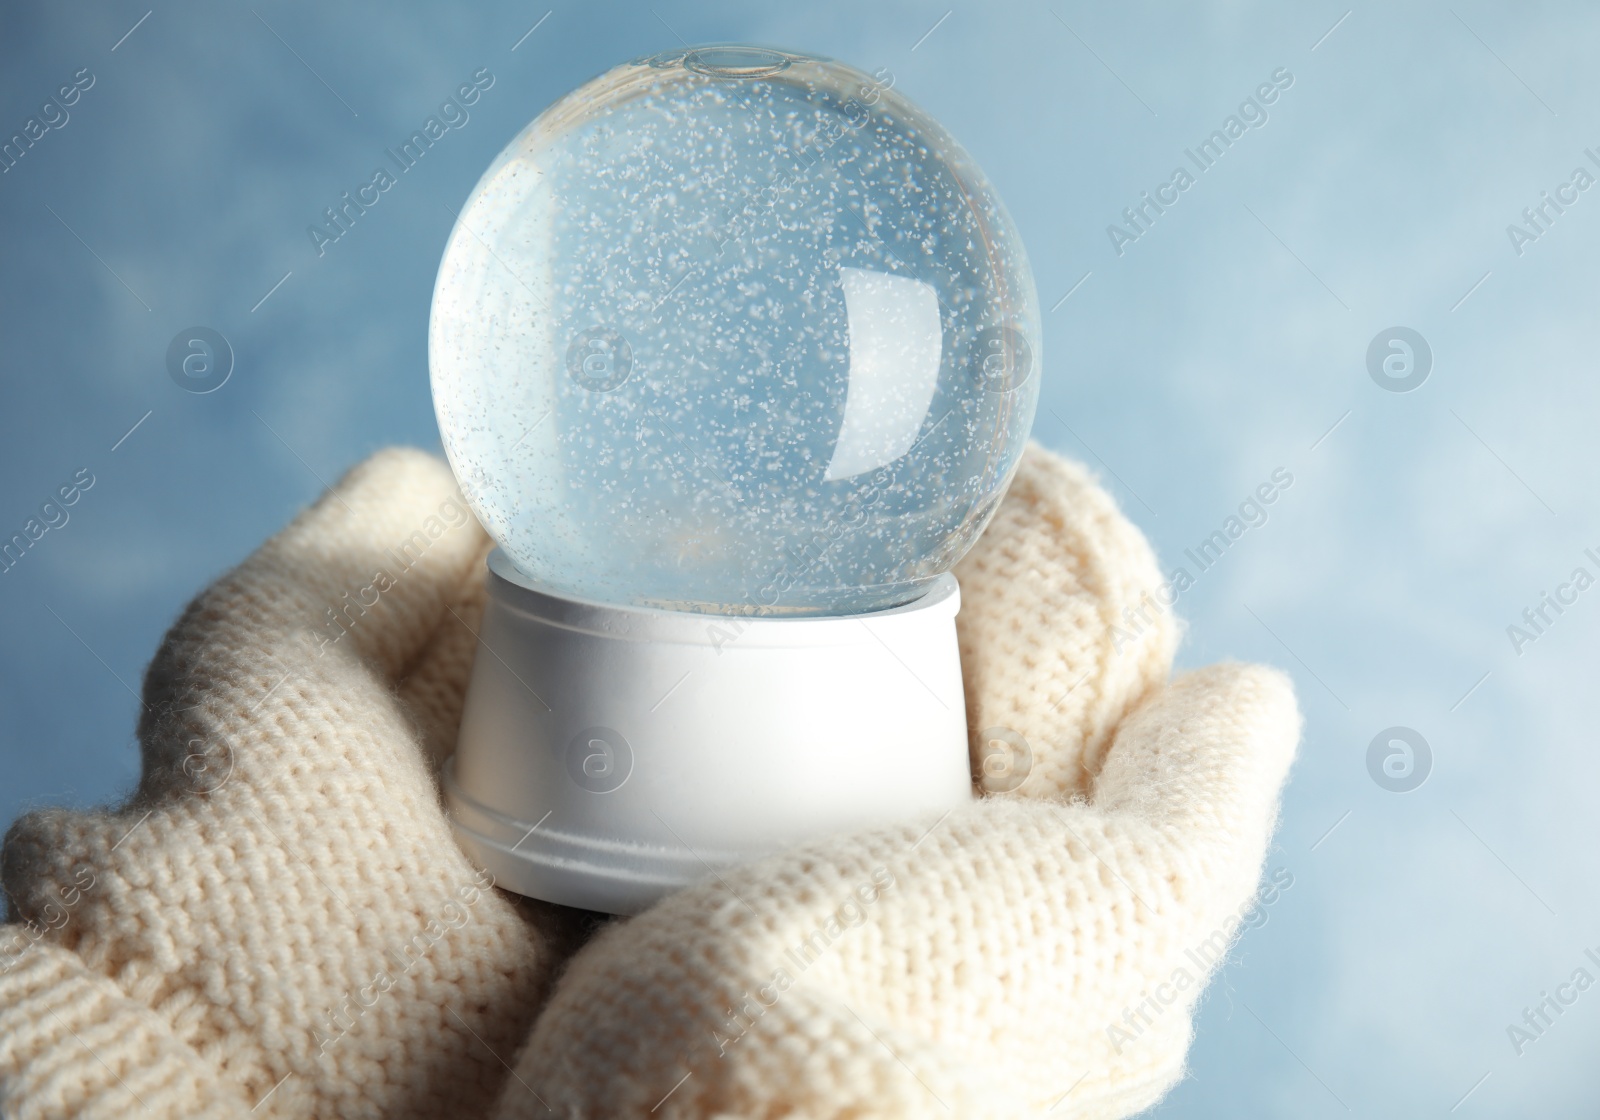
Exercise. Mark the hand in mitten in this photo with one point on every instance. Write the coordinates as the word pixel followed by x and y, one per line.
pixel 1024 954
pixel 279 920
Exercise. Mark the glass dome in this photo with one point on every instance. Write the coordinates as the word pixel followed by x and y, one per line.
pixel 734 330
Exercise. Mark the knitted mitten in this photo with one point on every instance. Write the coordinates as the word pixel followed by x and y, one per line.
pixel 279 920
pixel 1039 951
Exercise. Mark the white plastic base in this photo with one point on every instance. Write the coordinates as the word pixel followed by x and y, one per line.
pixel 609 755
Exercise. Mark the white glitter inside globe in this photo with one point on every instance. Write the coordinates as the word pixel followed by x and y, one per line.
pixel 738 331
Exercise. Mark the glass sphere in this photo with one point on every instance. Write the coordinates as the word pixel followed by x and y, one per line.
pixel 735 330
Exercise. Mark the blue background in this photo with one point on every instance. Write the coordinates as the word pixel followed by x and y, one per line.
pixel 1224 344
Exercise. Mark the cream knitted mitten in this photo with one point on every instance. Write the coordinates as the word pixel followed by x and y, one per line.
pixel 1022 955
pixel 279 919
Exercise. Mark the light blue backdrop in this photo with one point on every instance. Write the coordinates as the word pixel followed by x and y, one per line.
pixel 1226 342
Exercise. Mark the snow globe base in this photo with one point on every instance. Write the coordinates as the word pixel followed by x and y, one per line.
pixel 609 755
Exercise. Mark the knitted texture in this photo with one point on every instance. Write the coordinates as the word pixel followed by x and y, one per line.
pixel 279 920
pixel 1022 955
pixel 280 911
